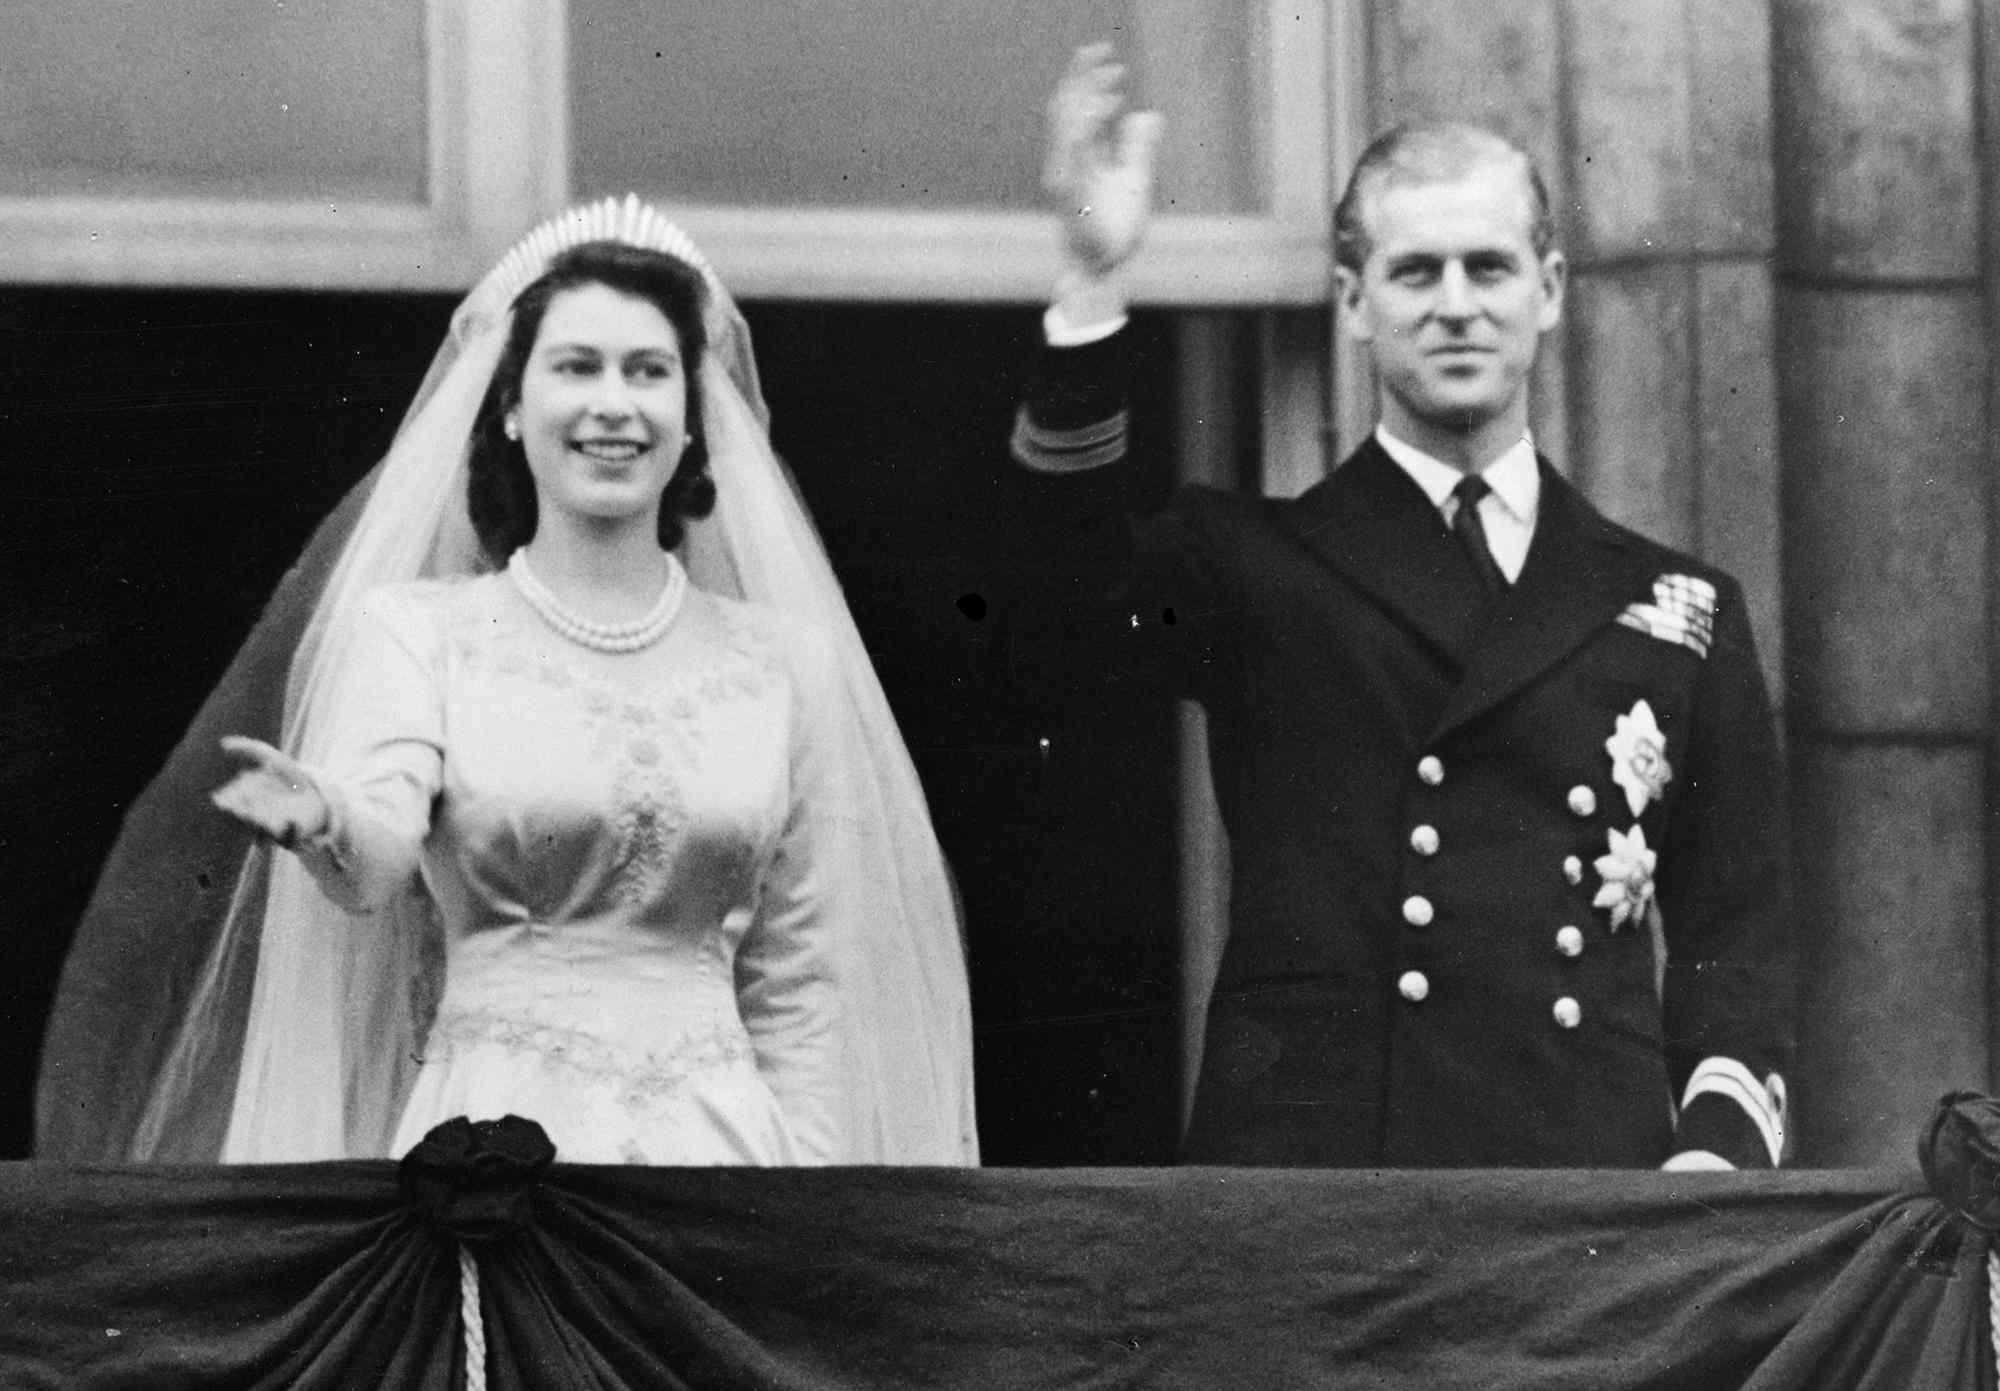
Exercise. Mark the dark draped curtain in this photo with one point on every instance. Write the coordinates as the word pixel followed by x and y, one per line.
pixel 350 1275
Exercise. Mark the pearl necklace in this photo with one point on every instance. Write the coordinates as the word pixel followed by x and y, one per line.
pixel 603 637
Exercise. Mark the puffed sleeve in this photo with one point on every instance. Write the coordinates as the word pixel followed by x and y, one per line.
pixel 787 966
pixel 383 759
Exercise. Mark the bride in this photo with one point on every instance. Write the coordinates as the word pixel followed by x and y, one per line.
pixel 586 804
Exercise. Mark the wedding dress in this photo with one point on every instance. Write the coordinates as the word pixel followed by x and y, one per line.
pixel 680 905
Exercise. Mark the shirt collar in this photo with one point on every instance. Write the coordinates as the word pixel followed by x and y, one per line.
pixel 1515 477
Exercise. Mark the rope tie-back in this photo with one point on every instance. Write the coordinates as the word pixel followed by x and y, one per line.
pixel 1960 1154
pixel 470 1321
pixel 473 1183
pixel 1993 1303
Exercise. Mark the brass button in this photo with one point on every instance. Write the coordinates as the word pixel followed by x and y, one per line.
pixel 1568 1013
pixel 1413 986
pixel 1417 911
pixel 1569 941
pixel 1573 869
pixel 1582 800
pixel 1430 768
pixel 1424 840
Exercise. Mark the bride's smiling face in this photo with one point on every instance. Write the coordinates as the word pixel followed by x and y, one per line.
pixel 602 414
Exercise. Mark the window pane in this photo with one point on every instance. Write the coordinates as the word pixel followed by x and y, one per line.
pixel 213 99
pixel 914 104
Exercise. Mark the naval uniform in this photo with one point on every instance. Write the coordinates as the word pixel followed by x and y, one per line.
pixel 1510 882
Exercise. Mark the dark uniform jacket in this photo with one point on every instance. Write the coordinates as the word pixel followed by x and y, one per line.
pixel 1447 944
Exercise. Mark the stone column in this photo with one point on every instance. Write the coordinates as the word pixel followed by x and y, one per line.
pixel 1988 125
pixel 1883 364
pixel 1672 400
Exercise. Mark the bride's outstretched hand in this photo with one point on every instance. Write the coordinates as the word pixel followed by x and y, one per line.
pixel 271 793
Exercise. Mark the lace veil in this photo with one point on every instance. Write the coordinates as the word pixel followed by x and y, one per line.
pixel 215 1005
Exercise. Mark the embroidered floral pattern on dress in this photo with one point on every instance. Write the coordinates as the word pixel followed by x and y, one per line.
pixel 647 751
pixel 650 742
pixel 638 1080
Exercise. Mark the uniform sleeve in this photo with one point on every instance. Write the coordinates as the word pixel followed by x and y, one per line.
pixel 384 757
pixel 787 966
pixel 1110 593
pixel 1730 982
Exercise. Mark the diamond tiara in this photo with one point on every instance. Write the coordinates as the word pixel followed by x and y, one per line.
pixel 628 220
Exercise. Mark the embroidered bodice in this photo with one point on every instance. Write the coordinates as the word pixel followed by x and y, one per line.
pixel 622 850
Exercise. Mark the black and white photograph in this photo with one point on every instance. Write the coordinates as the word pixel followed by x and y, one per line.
pixel 906 693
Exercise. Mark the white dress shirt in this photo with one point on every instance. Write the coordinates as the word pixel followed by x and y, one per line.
pixel 1507 512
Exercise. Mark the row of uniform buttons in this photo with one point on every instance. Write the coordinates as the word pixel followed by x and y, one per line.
pixel 1569 939
pixel 1415 987
pixel 1418 911
pixel 1430 772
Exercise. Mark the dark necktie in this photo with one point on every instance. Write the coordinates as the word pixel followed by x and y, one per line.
pixel 1471 533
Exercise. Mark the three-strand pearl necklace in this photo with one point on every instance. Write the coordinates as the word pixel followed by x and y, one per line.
pixel 643 631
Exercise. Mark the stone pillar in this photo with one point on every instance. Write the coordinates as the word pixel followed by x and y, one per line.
pixel 1988 119
pixel 1672 398
pixel 1883 363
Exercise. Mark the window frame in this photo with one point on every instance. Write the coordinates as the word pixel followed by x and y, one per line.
pixel 497 143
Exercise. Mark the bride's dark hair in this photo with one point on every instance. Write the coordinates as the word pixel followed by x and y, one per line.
pixel 500 491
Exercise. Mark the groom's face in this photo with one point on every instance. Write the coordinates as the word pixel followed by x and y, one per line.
pixel 1453 298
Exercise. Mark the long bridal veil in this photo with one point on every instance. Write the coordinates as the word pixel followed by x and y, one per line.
pixel 216 1006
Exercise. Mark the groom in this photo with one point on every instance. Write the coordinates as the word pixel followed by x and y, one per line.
pixel 1502 790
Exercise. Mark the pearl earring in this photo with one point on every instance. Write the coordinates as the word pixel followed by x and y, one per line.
pixel 511 428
